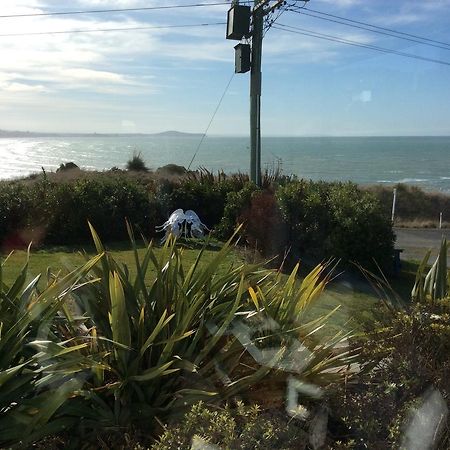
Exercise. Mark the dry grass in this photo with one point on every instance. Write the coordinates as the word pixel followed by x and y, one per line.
pixel 415 207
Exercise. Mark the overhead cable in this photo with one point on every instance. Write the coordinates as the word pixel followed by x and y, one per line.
pixel 389 30
pixel 211 120
pixel 366 28
pixel 112 10
pixel 340 40
pixel 97 30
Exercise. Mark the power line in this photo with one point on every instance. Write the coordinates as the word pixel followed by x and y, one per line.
pixel 98 11
pixel 328 37
pixel 366 28
pixel 96 30
pixel 390 30
pixel 211 121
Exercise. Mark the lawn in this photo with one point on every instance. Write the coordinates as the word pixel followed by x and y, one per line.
pixel 66 259
pixel 354 297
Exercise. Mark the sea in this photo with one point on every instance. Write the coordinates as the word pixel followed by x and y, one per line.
pixel 421 161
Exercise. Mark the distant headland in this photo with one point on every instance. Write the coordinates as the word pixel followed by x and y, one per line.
pixel 22 134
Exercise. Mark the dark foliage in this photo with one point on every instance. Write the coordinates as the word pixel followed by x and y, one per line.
pixel 264 227
pixel 201 191
pixel 15 204
pixel 137 163
pixel 171 169
pixel 236 203
pixel 67 166
pixel 406 359
pixel 245 428
pixel 335 220
pixel 57 212
pixel 314 220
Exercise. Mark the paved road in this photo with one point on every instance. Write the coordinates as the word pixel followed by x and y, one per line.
pixel 416 241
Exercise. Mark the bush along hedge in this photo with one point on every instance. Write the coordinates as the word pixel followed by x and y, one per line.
pixel 57 212
pixel 314 220
pixel 15 206
pixel 335 219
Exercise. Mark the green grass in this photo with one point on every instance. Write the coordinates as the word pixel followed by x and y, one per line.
pixel 65 260
pixel 355 300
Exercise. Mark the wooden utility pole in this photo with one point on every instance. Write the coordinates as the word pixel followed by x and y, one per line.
pixel 234 31
pixel 255 93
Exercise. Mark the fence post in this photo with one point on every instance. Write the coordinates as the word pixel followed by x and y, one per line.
pixel 394 201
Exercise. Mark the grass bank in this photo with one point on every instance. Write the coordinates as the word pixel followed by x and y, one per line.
pixel 415 208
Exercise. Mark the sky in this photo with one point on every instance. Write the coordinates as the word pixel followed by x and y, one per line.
pixel 153 80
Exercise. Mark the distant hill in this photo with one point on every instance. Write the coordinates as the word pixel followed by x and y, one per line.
pixel 19 134
pixel 177 134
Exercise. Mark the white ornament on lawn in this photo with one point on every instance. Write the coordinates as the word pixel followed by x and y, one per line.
pixel 183 223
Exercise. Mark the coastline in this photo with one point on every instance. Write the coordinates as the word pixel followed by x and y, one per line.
pixel 365 161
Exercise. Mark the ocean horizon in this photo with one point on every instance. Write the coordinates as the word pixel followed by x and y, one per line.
pixel 420 160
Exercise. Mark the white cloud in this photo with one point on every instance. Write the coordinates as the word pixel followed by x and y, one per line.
pixel 309 49
pixel 93 75
pixel 399 19
pixel 411 12
pixel 341 3
pixel 21 87
pixel 20 7
pixel 128 125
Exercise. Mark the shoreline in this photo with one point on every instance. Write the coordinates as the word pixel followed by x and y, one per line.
pixel 365 161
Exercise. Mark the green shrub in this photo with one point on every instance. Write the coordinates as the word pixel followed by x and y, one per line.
pixel 171 170
pixel 158 353
pixel 304 207
pixel 235 204
pixel 35 358
pixel 313 220
pixel 404 368
pixel 245 428
pixel 360 231
pixel 335 219
pixel 405 355
pixel 137 163
pixel 57 212
pixel 15 205
pixel 202 192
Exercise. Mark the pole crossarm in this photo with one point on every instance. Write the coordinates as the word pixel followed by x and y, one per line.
pixel 276 5
pixel 260 4
pixel 263 3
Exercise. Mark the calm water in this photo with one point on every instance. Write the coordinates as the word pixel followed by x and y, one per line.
pixel 424 161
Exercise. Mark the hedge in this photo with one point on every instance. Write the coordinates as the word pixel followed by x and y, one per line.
pixel 315 220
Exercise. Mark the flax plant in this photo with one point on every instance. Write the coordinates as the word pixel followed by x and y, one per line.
pixel 155 333
pixel 34 361
pixel 104 351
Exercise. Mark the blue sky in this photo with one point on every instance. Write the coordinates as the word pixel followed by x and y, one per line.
pixel 166 79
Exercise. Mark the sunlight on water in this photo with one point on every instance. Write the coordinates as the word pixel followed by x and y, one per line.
pixel 415 160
